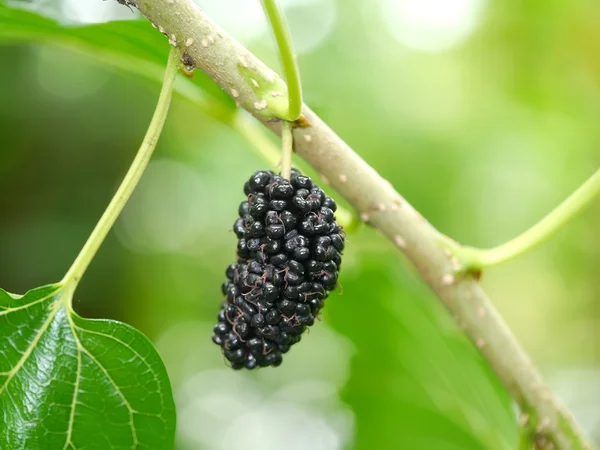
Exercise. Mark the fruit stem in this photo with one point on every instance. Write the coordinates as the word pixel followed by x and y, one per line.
pixel 87 253
pixel 288 58
pixel 475 259
pixel 267 150
pixel 287 147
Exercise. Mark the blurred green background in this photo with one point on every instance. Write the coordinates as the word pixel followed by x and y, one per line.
pixel 484 114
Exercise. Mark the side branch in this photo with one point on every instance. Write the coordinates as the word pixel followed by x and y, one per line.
pixel 472 258
pixel 207 47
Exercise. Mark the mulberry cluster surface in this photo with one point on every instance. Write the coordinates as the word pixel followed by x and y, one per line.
pixel 289 256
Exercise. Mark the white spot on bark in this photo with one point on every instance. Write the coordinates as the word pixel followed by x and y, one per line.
pixel 447 279
pixel 481 311
pixel 543 425
pixel 260 105
pixel 211 39
pixel 400 242
pixel 480 343
pixel 364 217
pixel 523 419
pixel 343 178
pixel 271 76
pixel 455 263
pixel 235 93
pixel 381 206
pixel 189 42
pixel 323 177
pixel 153 25
pixel 255 83
pixel 161 29
pixel 308 138
pixel 204 43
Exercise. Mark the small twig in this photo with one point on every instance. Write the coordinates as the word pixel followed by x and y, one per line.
pixel 476 259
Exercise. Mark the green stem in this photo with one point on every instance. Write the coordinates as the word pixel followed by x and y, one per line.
pixel 288 58
pixel 87 253
pixel 287 147
pixel 474 259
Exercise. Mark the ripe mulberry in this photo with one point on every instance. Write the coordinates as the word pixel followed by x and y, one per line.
pixel 289 256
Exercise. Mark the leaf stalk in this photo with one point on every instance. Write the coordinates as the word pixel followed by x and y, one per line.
pixel 133 176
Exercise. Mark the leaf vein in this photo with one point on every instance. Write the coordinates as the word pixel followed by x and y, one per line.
pixel 9 310
pixel 150 368
pixel 29 350
pixel 68 442
pixel 110 379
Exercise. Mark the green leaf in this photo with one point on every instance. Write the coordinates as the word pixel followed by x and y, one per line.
pixel 132 46
pixel 71 383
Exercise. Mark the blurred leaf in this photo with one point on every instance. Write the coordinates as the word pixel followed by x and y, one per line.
pixel 416 381
pixel 71 383
pixel 132 46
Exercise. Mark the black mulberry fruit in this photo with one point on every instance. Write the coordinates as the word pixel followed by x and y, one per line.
pixel 289 259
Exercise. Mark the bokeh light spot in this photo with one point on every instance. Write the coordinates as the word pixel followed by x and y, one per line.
pixel 168 209
pixel 431 25
pixel 310 21
pixel 91 11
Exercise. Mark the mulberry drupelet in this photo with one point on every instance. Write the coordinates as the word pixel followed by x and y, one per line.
pixel 289 257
